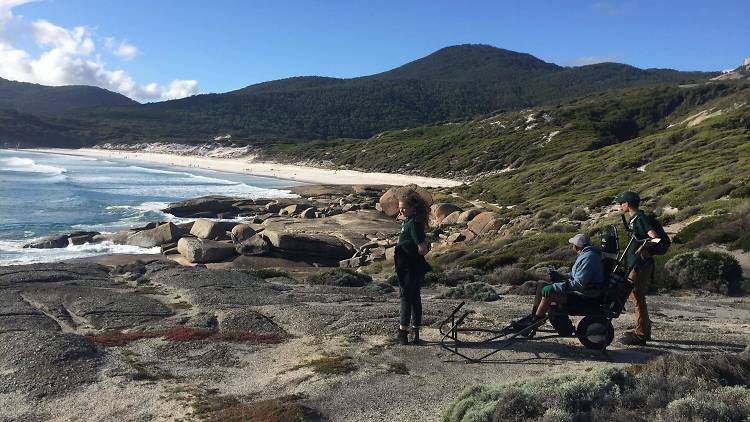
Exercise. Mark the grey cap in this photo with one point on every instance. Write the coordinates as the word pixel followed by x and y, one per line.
pixel 580 240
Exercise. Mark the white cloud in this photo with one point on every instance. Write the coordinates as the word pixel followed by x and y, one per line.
pixel 122 49
pixel 585 60
pixel 69 57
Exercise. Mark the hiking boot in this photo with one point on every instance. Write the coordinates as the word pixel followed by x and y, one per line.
pixel 524 322
pixel 403 337
pixel 632 339
pixel 415 335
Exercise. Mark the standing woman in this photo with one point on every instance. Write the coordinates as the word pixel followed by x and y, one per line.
pixel 410 263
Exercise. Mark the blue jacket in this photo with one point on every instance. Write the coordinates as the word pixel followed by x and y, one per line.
pixel 587 274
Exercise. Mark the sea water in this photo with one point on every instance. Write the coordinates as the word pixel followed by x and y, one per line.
pixel 43 194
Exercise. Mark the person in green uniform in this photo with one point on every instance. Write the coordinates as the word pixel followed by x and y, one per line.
pixel 641 265
pixel 410 263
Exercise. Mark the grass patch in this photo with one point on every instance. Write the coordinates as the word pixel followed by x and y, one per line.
pixel 330 365
pixel 398 368
pixel 182 334
pixel 212 407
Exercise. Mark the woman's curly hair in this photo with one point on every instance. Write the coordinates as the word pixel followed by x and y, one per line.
pixel 411 198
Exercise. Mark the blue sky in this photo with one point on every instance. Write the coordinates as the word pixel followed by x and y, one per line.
pixel 222 45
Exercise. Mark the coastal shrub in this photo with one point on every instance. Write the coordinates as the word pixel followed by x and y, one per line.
pixel 672 387
pixel 707 270
pixel 436 277
pixel 341 277
pixel 690 231
pixel 741 192
pixel 380 288
pixel 473 291
pixel 579 214
pixel 742 243
pixel 508 275
pixel 488 262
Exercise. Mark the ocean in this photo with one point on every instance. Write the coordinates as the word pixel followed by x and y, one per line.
pixel 43 194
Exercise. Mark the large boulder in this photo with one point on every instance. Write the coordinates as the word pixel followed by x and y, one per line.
pixel 468 215
pixel 63 240
pixel 203 250
pixel 166 233
pixel 450 219
pixel 256 245
pixel 441 210
pixel 81 237
pixel 486 222
pixel 309 246
pixel 389 201
pixel 207 229
pixel 206 205
pixel 49 242
pixel 241 233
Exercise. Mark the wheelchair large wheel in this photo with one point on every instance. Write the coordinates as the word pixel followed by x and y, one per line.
pixel 595 332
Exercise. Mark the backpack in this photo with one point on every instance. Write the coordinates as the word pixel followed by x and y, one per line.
pixel 662 247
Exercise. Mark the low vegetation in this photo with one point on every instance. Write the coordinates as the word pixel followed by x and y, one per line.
pixel 331 365
pixel 473 291
pixel 674 387
pixel 340 277
pixel 707 270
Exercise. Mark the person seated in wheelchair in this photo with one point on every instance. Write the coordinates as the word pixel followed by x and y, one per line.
pixel 580 287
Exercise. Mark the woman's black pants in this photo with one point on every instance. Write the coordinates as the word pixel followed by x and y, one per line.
pixel 411 304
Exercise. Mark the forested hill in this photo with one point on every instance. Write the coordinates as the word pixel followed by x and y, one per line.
pixel 454 82
pixel 34 98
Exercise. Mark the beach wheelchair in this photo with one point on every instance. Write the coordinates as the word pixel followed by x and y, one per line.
pixel 594 330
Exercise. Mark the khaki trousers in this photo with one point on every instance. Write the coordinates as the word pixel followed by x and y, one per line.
pixel 641 279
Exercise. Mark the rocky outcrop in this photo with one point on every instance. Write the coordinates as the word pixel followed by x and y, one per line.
pixel 468 215
pixel 255 246
pixel 308 246
pixel 389 201
pixel 211 230
pixel 450 219
pixel 195 207
pixel 486 222
pixel 242 232
pixel 63 240
pixel 441 210
pixel 202 250
pixel 163 234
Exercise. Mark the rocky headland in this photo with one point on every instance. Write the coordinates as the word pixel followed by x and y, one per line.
pixel 286 308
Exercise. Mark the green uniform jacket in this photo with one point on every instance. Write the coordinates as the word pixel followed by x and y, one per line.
pixel 411 231
pixel 640 227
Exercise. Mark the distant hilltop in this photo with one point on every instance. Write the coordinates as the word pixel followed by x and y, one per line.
pixel 742 72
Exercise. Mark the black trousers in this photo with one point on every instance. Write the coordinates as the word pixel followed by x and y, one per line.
pixel 411 304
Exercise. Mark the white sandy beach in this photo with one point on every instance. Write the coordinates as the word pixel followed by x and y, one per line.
pixel 247 165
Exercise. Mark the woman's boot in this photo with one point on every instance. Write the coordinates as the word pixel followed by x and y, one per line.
pixel 415 334
pixel 403 337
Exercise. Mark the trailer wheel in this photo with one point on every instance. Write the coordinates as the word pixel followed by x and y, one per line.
pixel 595 332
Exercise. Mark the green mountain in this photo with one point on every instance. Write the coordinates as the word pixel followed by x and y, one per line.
pixel 34 98
pixel 453 82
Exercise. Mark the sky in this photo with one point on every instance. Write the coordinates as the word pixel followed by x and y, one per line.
pixel 153 50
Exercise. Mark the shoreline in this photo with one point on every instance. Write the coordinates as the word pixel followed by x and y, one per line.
pixel 248 166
